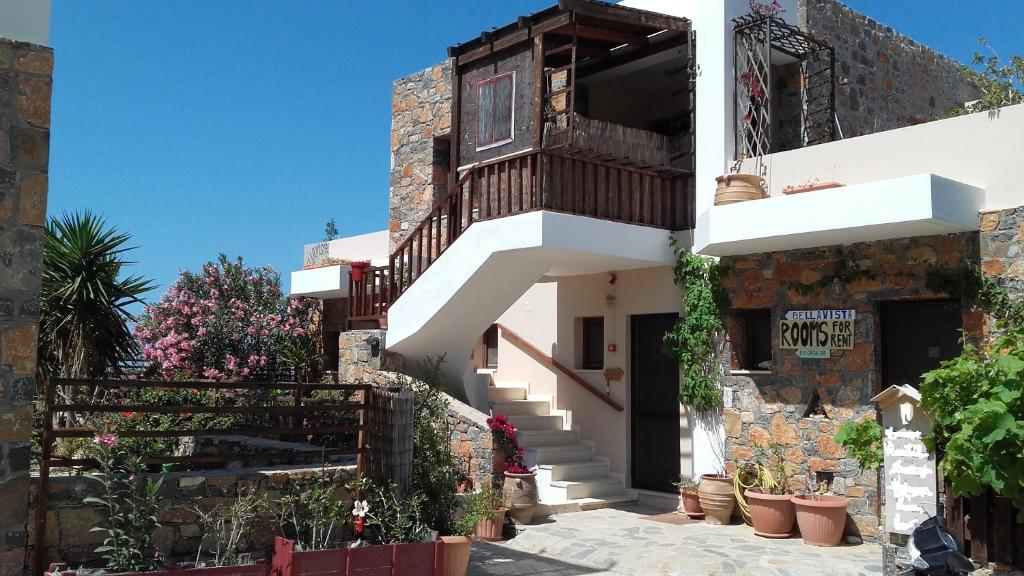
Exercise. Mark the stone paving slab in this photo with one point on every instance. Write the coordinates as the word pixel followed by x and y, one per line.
pixel 623 542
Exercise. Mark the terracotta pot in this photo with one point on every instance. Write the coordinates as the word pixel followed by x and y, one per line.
pixel 357 269
pixel 821 521
pixel 772 514
pixel 456 554
pixel 490 529
pixel 734 188
pixel 691 504
pixel 497 463
pixel 520 496
pixel 716 498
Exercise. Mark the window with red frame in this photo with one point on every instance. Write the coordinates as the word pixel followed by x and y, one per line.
pixel 495 121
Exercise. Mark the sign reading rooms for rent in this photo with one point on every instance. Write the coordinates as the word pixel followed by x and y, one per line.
pixel 820 329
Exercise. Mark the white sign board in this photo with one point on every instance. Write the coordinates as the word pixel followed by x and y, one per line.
pixel 817 329
pixel 910 479
pixel 314 255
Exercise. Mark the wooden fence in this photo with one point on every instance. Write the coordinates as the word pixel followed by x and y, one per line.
pixel 988 527
pixel 283 410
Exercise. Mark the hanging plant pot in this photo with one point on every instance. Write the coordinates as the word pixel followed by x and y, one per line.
pixel 734 188
pixel 357 270
pixel 691 504
pixel 821 521
pixel 716 498
pixel 771 514
pixel 521 496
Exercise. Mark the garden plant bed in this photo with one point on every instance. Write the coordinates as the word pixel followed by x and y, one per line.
pixel 407 559
pixel 243 570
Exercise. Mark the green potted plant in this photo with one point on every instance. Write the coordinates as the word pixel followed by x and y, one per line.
pixel 486 511
pixel 762 491
pixel 520 487
pixel 688 497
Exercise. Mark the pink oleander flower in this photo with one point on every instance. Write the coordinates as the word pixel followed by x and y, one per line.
pixel 107 440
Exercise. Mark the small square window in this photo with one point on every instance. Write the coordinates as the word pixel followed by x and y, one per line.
pixel 590 343
pixel 495 96
pixel 751 336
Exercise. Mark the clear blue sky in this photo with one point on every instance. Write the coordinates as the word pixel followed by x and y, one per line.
pixel 242 127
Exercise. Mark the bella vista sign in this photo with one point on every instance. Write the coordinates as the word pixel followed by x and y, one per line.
pixel 821 329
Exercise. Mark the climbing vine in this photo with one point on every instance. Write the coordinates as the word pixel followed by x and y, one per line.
pixel 977 399
pixel 694 340
pixel 843 271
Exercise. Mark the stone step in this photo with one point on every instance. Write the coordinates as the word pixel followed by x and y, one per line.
pixel 598 487
pixel 573 470
pixel 527 407
pixel 628 498
pixel 551 454
pixel 534 438
pixel 524 423
pixel 508 391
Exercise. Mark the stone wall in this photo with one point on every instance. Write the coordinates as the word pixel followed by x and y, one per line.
pixel 421 113
pixel 25 81
pixel 472 441
pixel 884 80
pixel 68 520
pixel 770 407
pixel 1002 248
pixel 358 363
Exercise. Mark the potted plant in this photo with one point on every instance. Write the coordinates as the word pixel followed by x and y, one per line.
pixel 766 493
pixel 821 518
pixel 520 485
pixel 688 498
pixel 486 511
pixel 357 269
pixel 715 493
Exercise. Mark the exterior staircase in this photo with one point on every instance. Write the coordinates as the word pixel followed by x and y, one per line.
pixel 570 478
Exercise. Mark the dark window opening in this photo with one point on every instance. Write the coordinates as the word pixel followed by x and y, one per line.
pixel 752 339
pixel 591 343
pixel 495 121
pixel 491 347
pixel 916 337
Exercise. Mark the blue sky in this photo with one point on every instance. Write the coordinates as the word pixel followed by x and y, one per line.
pixel 242 127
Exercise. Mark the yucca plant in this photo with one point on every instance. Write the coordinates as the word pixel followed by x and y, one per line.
pixel 84 324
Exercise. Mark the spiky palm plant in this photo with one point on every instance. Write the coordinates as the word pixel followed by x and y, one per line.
pixel 84 319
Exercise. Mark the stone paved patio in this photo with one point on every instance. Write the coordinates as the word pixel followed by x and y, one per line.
pixel 628 542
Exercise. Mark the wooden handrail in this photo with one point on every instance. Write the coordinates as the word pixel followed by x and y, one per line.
pixel 546 359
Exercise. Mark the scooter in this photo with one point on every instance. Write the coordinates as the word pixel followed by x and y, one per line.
pixel 933 551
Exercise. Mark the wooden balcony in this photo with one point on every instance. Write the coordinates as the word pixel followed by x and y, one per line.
pixel 551 180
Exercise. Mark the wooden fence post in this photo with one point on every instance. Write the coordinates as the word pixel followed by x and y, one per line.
pixel 390 418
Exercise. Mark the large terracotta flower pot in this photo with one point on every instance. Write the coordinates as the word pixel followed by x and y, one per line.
pixel 716 498
pixel 491 528
pixel 821 521
pixel 691 504
pixel 456 554
pixel 772 514
pixel 497 463
pixel 520 496
pixel 734 188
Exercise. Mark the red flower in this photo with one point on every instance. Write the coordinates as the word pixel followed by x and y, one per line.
pixel 127 414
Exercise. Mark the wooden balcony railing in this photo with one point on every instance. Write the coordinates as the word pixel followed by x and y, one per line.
pixel 533 180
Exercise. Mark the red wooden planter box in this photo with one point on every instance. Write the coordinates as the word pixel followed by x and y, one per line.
pixel 246 570
pixel 410 559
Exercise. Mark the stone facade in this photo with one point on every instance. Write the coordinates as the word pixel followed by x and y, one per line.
pixel 472 441
pixel 360 362
pixel 421 121
pixel 1001 244
pixel 771 407
pixel 25 82
pixel 884 80
pixel 69 521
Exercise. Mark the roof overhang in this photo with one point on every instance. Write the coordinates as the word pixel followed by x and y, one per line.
pixel 598 26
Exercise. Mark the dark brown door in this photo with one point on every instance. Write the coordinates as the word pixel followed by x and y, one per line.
pixel 916 337
pixel 654 380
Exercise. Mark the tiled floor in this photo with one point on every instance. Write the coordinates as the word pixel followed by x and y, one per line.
pixel 630 542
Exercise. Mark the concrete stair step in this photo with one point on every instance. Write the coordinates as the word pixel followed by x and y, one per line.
pixel 508 391
pixel 535 438
pixel 574 471
pixel 628 498
pixel 531 423
pixel 526 407
pixel 598 487
pixel 551 454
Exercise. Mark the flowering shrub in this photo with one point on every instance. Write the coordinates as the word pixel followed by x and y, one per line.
pixel 506 438
pixel 773 8
pixel 229 321
pixel 130 507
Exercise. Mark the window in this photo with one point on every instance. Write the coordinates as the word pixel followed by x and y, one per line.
pixel 496 115
pixel 491 347
pixel 752 339
pixel 590 343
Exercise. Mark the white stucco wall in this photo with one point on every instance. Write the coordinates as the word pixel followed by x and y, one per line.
pixel 25 21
